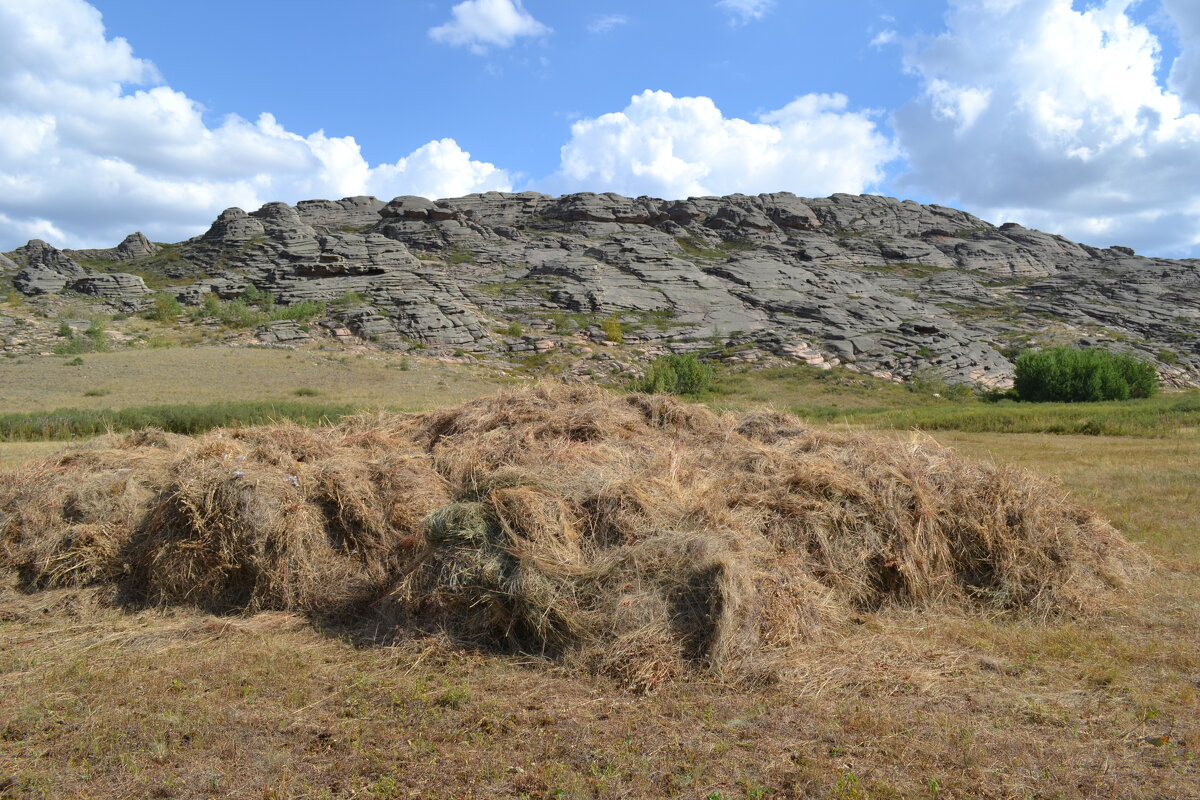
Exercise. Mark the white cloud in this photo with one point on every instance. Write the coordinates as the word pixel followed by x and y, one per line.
pixel 675 147
pixel 84 160
pixel 607 22
pixel 884 37
pixel 744 11
pixel 1185 72
pixel 1035 112
pixel 478 24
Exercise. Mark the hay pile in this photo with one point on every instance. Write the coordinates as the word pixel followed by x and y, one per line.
pixel 633 536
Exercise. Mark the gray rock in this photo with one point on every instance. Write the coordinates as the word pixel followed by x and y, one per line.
pixel 112 286
pixel 885 286
pixel 46 269
pixel 132 247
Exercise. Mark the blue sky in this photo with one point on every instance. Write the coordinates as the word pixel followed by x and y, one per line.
pixel 1076 117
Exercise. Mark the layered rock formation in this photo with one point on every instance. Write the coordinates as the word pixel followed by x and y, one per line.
pixel 884 286
pixel 43 269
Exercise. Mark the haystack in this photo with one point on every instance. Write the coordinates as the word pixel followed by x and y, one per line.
pixel 636 536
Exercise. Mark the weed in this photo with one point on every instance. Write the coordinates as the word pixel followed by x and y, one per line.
pixel 455 697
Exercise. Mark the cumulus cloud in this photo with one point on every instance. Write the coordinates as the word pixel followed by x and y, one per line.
pixel 744 11
pixel 1185 71
pixel 478 24
pixel 86 159
pixel 675 147
pixel 606 23
pixel 1036 112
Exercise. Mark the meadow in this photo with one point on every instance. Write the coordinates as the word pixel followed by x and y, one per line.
pixel 903 702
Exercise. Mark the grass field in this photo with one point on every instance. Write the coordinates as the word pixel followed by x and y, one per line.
pixel 99 703
pixel 173 376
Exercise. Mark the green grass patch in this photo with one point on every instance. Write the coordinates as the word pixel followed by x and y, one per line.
pixel 1164 416
pixel 698 249
pixel 73 423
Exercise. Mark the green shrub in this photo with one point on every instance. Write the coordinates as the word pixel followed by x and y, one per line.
pixel 257 297
pixel 351 300
pixel 238 313
pixel 514 329
pixel 1072 375
pixel 299 312
pixel 166 308
pixel 93 340
pixel 677 374
pixel 614 331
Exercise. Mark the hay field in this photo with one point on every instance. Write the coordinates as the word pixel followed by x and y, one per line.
pixel 926 697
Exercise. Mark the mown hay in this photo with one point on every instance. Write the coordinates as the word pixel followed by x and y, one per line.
pixel 635 536
pixel 279 517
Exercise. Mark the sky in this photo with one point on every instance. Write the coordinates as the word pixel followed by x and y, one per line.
pixel 1079 117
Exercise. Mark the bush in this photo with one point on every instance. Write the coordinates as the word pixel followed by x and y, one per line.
pixel 677 374
pixel 303 311
pixel 1071 375
pixel 613 330
pixel 166 308
pixel 257 297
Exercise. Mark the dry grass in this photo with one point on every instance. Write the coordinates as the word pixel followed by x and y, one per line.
pixel 13 454
pixel 1148 488
pixel 632 536
pixel 216 374
pixel 904 701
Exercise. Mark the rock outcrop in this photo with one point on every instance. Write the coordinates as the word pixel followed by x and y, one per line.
pixel 883 286
pixel 48 270
pixel 131 248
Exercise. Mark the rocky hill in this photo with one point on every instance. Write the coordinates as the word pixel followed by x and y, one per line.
pixel 872 283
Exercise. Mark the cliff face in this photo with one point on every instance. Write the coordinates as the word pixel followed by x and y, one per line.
pixel 883 285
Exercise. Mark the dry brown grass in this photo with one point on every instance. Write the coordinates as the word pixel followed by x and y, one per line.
pixel 202 375
pixel 633 536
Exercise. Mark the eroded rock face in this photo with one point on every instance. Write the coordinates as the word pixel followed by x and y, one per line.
pixel 885 286
pixel 48 270
pixel 131 248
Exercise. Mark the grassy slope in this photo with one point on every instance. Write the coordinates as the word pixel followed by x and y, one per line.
pixel 96 703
